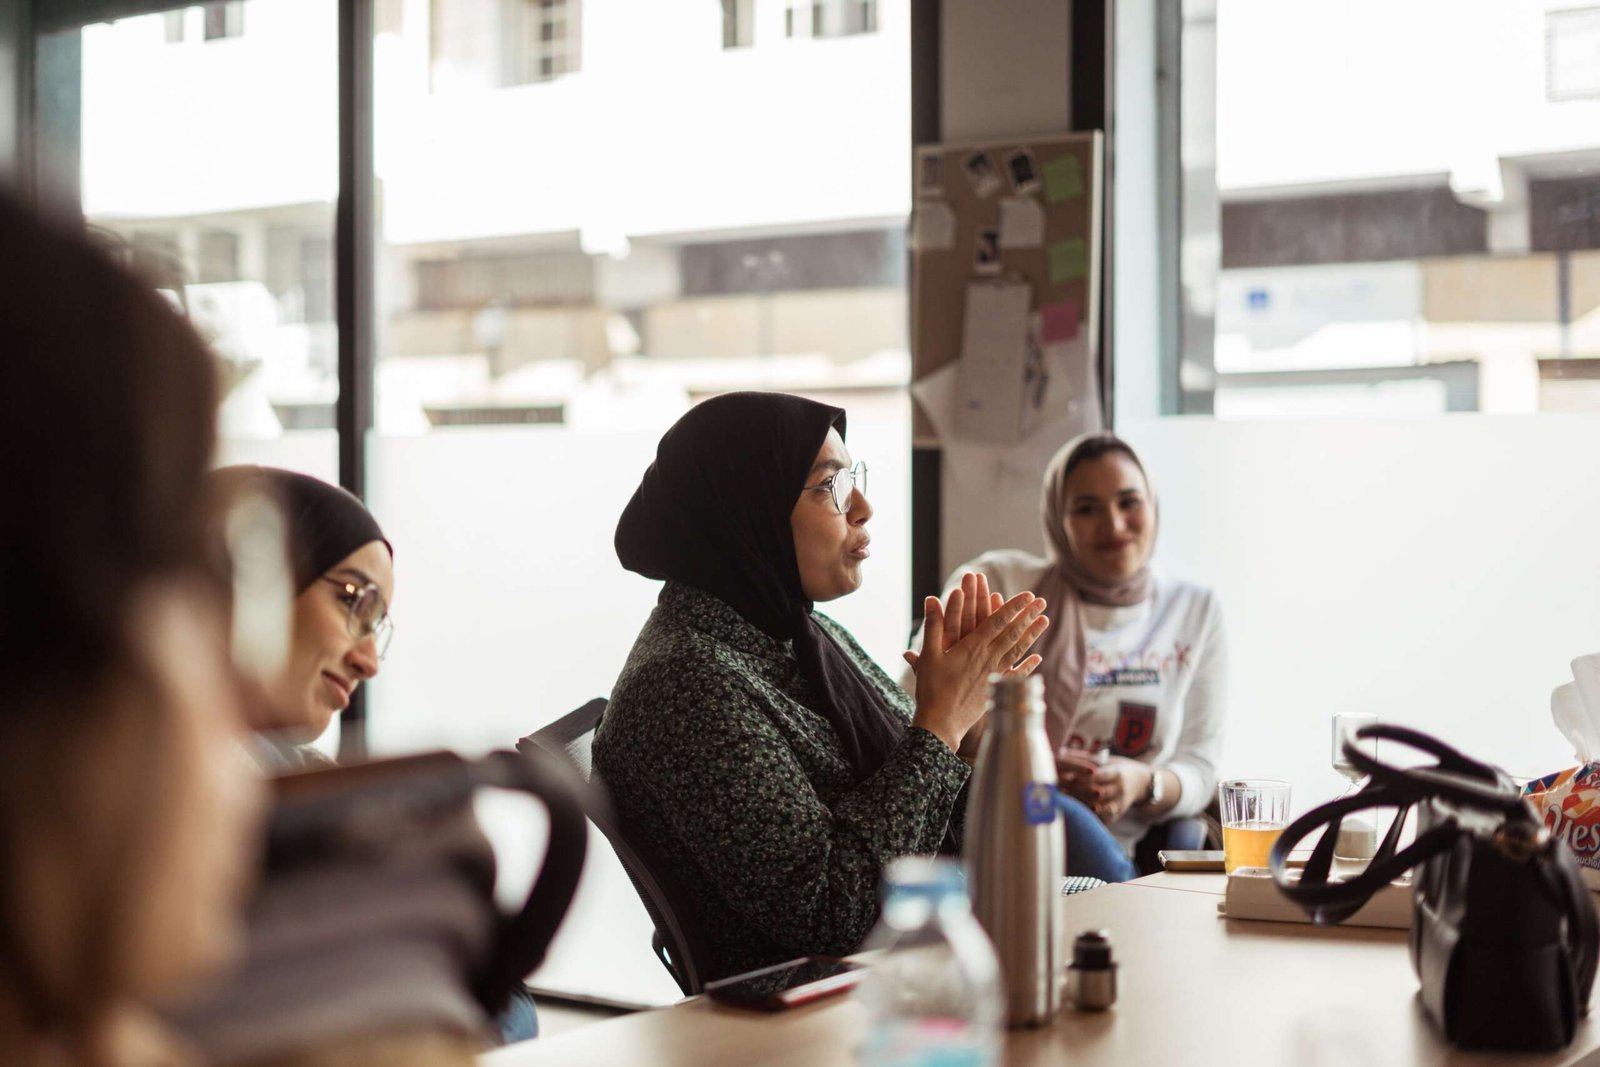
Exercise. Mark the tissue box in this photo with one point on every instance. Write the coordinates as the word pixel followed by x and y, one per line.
pixel 1569 803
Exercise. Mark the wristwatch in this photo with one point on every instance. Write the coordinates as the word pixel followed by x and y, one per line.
pixel 1157 791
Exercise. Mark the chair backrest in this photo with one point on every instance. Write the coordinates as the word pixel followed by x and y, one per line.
pixel 678 943
pixel 571 736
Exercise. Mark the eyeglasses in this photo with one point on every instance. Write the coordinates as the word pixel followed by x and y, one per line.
pixel 368 613
pixel 842 484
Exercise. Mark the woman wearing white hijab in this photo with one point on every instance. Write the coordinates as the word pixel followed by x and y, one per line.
pixel 1134 665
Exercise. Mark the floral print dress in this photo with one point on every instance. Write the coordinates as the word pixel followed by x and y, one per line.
pixel 714 755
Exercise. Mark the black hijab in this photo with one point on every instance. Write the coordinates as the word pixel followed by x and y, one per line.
pixel 713 512
pixel 326 523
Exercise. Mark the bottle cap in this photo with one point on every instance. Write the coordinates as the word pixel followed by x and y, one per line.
pixel 1092 951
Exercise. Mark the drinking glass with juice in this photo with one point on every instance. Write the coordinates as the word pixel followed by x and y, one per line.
pixel 1254 813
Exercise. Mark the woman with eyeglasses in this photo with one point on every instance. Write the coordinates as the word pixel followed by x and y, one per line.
pixel 343 574
pixel 771 764
pixel 126 841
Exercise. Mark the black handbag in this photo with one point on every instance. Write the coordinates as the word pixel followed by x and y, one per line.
pixel 376 911
pixel 1503 935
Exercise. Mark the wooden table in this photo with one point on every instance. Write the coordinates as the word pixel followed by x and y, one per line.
pixel 1193 989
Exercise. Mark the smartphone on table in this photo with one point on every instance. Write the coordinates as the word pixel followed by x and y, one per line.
pixel 1191 859
pixel 786 985
pixel 1205 859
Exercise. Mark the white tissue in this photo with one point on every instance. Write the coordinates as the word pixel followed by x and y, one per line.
pixel 1576 708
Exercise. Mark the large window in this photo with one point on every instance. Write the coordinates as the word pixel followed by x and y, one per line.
pixel 562 271
pixel 1389 280
pixel 1404 201
pixel 213 167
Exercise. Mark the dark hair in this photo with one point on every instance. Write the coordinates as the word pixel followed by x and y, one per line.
pixel 108 405
pixel 326 522
pixel 1096 446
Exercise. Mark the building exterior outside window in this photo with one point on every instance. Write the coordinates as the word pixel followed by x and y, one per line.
pixel 1421 238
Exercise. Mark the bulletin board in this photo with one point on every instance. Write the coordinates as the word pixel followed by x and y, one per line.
pixel 1002 228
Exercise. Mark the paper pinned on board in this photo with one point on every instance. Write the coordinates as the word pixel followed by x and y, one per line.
pixel 987 258
pixel 1024 172
pixel 930 173
pixel 933 226
pixel 993 362
pixel 1021 222
pixel 982 174
pixel 1059 321
pixel 1068 260
pixel 1004 477
pixel 1063 179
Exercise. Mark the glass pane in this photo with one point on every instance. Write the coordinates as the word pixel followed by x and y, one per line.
pixel 211 159
pixel 1409 205
pixel 1380 558
pixel 566 267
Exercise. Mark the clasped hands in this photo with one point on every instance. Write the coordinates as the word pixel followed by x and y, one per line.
pixel 973 634
pixel 1109 789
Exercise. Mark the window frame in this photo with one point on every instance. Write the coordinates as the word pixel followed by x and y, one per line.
pixel 43 152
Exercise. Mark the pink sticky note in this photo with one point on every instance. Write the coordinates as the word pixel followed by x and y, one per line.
pixel 1059 321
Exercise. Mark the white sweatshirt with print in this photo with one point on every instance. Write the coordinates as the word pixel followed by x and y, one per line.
pixel 1156 680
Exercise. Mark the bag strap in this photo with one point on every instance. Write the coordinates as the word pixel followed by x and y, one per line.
pixel 1454 777
pixel 522 940
pixel 1333 902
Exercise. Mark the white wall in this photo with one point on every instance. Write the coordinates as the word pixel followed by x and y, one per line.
pixel 1003 76
pixel 1435 572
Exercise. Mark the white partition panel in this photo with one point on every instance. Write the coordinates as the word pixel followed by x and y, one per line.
pixel 313 452
pixel 1438 572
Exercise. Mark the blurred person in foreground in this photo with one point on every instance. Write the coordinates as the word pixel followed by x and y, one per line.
pixel 126 825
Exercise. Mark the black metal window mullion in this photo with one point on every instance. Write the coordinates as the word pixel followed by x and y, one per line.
pixel 927 567
pixel 354 250
pixel 1091 70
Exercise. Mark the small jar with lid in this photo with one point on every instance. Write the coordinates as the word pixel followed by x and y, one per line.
pixel 1092 975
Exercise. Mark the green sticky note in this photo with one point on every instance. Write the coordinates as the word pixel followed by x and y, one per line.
pixel 1069 260
pixel 1063 179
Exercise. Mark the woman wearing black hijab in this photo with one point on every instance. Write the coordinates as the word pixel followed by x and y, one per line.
pixel 749 739
pixel 343 573
pixel 342 567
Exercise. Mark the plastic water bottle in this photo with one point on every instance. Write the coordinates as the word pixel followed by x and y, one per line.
pixel 933 998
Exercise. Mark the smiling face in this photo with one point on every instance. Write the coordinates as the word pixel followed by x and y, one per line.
pixel 828 546
pixel 1110 523
pixel 326 663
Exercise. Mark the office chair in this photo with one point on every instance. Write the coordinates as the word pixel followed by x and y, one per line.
pixel 677 941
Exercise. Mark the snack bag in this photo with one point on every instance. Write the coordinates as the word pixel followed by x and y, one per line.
pixel 1569 800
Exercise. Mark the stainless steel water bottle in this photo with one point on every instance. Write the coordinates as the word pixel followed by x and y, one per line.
pixel 1016 849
